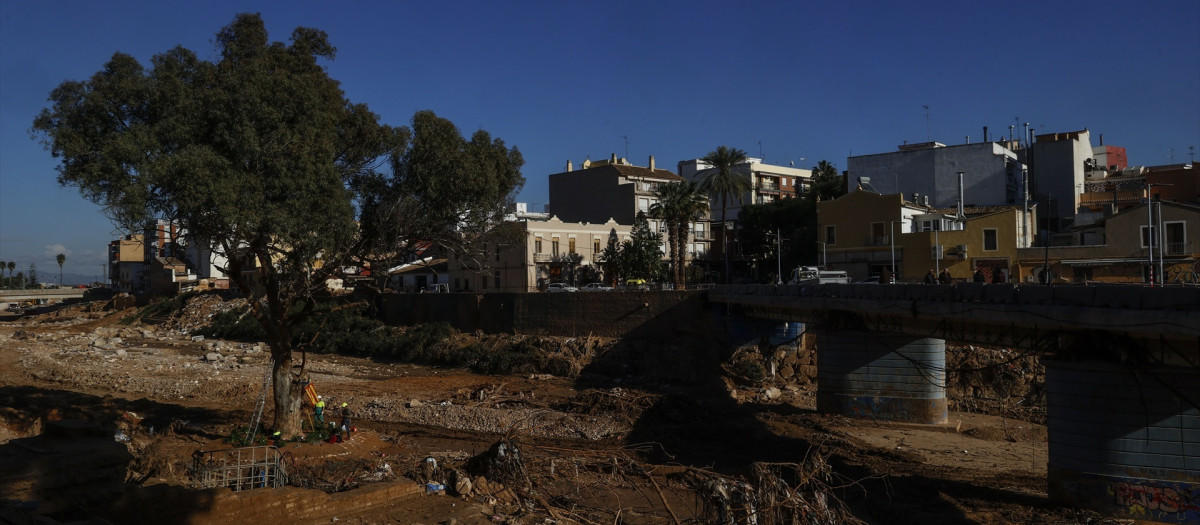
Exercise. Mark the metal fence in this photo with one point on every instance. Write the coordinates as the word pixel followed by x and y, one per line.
pixel 239 468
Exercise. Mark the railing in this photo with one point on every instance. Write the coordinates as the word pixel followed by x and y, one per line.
pixel 239 468
pixel 561 257
pixel 1178 248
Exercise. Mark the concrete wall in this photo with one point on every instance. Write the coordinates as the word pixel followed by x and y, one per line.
pixel 934 172
pixel 605 314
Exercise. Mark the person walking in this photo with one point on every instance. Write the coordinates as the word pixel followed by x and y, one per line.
pixel 931 278
pixel 998 277
pixel 979 277
pixel 344 427
pixel 319 410
pixel 944 277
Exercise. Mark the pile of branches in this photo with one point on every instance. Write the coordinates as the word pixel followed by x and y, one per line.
pixel 613 486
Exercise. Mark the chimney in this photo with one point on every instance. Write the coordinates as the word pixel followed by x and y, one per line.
pixel 569 166
pixel 916 198
pixel 652 163
pixel 926 201
pixel 985 134
pixel 612 159
pixel 961 216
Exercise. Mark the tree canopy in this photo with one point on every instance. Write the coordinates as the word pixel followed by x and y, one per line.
pixel 260 158
pixel 721 182
pixel 679 204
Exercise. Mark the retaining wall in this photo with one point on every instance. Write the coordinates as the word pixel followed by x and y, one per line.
pixel 603 314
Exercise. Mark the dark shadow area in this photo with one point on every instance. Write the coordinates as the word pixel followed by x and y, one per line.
pixel 680 357
pixel 75 463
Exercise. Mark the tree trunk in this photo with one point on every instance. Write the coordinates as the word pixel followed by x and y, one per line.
pixel 287 393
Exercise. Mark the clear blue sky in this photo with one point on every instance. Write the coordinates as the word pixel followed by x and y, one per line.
pixel 562 80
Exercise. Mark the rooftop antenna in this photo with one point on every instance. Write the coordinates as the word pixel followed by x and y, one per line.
pixel 928 136
pixel 1191 154
pixel 1171 155
pixel 760 155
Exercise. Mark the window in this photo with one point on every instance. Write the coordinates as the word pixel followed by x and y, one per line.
pixel 831 235
pixel 879 235
pixel 483 282
pixel 497 254
pixel 989 240
pixel 1176 238
pixel 571 245
pixel 537 244
pixel 931 226
pixel 644 205
pixel 595 246
pixel 554 246
pixel 1148 232
pixel 496 278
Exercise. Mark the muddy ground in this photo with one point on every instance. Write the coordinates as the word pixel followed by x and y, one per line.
pixel 649 431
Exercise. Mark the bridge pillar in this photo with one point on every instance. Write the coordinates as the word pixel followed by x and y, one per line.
pixel 881 375
pixel 1125 440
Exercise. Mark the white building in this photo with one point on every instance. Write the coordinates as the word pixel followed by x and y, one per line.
pixel 992 174
pixel 768 183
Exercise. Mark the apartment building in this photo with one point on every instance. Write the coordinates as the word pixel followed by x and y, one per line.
pixel 864 232
pixel 526 255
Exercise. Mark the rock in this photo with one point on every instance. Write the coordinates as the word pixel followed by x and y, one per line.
pixel 121 351
pixel 808 371
pixel 772 393
pixel 197 338
pixel 212 356
pixel 413 403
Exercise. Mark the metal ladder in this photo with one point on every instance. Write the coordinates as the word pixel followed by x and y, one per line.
pixel 262 402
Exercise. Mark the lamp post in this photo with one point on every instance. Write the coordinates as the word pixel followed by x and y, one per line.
pixel 778 259
pixel 892 238
pixel 823 259
pixel 1151 230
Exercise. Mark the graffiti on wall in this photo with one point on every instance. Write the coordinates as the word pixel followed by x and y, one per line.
pixel 1182 273
pixel 1159 500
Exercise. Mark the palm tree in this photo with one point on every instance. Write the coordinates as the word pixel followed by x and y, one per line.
pixel 679 203
pixel 720 181
pixel 3 265
pixel 61 259
pixel 12 265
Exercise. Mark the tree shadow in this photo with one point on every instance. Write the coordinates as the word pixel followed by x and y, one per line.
pixel 74 463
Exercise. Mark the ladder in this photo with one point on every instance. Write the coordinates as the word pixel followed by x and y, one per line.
pixel 262 402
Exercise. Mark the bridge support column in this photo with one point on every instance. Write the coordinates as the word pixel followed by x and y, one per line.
pixel 1125 440
pixel 881 375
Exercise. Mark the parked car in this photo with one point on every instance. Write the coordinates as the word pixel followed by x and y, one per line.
pixel 561 287
pixel 596 287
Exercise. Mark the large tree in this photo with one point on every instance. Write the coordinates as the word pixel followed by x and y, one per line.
pixel 826 183
pixel 642 254
pixel 260 158
pixel 721 181
pixel 678 205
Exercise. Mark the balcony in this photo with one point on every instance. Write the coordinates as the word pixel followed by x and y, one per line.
pixel 1178 248
pixel 557 258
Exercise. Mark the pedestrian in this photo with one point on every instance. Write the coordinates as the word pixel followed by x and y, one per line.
pixel 931 278
pixel 998 277
pixel 979 277
pixel 344 427
pixel 319 410
pixel 944 277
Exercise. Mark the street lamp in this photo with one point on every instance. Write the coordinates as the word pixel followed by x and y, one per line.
pixel 778 259
pixel 892 238
pixel 1151 230
pixel 823 259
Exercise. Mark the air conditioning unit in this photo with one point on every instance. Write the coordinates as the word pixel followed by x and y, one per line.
pixel 962 248
pixel 962 256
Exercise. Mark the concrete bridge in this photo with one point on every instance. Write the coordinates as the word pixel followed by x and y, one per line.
pixel 59 294
pixel 1122 372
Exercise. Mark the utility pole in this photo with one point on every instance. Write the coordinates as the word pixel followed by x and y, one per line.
pixel 928 135
pixel 778 258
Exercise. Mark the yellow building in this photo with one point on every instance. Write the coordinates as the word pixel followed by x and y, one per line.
pixel 864 233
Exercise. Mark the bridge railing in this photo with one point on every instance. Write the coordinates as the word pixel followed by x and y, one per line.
pixel 1175 298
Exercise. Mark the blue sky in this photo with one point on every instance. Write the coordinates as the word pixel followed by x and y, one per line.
pixel 564 80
